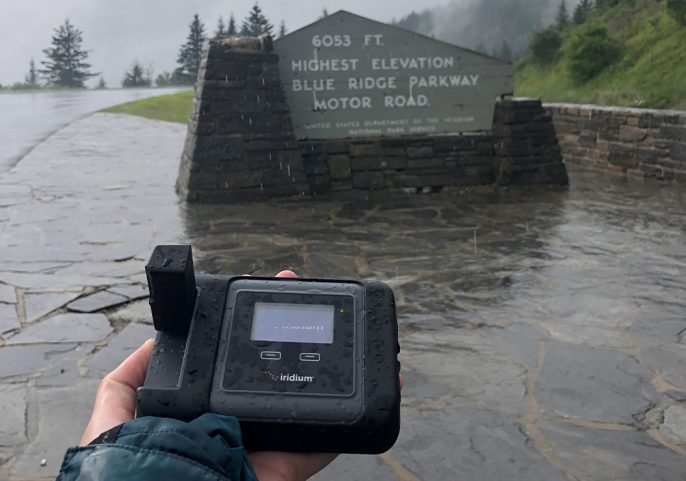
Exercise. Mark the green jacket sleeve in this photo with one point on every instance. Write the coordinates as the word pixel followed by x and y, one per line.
pixel 149 448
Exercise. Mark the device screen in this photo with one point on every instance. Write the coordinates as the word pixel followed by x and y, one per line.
pixel 281 322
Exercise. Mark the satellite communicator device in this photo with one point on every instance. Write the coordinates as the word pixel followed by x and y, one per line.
pixel 306 365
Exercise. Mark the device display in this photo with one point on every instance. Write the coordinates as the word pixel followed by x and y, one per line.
pixel 279 322
pixel 291 341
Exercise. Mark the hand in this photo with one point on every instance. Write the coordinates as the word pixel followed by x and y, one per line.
pixel 115 403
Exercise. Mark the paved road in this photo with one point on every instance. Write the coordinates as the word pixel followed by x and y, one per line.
pixel 26 118
pixel 543 333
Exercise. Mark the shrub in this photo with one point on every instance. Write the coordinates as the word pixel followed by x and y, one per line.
pixel 677 10
pixel 590 52
pixel 545 45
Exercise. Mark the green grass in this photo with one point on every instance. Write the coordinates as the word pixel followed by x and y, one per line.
pixel 172 108
pixel 650 73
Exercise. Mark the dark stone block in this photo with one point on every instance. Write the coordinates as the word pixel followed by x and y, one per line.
pixel 673 132
pixel 457 143
pixel 622 155
pixel 427 162
pixel 319 184
pixel 588 139
pixel 678 151
pixel 421 151
pixel 339 166
pixel 393 143
pixel 393 152
pixel 337 147
pixel 378 163
pixel 366 150
pixel 316 168
pixel 340 185
pixel 368 180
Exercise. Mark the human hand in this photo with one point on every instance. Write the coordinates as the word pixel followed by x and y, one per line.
pixel 115 403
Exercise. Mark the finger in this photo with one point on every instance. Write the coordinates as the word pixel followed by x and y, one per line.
pixel 115 402
pixel 132 371
pixel 287 274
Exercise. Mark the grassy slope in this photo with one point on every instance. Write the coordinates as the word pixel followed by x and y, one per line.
pixel 651 72
pixel 173 108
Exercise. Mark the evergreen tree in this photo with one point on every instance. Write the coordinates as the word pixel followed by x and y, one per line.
pixel 137 77
pixel 31 78
pixel 101 83
pixel 582 11
pixel 324 14
pixel 256 24
pixel 66 65
pixel 545 45
pixel 562 18
pixel 190 53
pixel 231 30
pixel 221 30
pixel 602 4
pixel 164 79
pixel 282 29
pixel 505 51
pixel 677 10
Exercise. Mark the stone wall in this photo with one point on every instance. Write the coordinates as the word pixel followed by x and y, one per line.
pixel 522 149
pixel 241 146
pixel 638 142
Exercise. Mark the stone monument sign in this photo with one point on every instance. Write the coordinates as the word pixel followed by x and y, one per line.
pixel 348 103
pixel 349 76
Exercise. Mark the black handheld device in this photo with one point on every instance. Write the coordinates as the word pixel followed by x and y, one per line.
pixel 306 365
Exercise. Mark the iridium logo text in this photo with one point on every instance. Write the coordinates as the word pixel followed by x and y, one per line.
pixel 289 377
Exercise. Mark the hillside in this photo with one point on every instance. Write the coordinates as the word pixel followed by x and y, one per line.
pixel 650 70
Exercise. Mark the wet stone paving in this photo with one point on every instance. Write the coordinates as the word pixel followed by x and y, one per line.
pixel 543 333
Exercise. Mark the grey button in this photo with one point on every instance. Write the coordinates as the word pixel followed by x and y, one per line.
pixel 270 355
pixel 309 356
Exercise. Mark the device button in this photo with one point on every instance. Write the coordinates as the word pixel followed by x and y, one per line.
pixel 309 356
pixel 270 355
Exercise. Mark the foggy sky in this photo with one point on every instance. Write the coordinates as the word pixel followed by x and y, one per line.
pixel 119 31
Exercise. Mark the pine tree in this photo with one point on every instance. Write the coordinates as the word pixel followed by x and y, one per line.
pixel 582 11
pixel 562 18
pixel 101 83
pixel 231 29
pixel 256 24
pixel 190 53
pixel 136 77
pixel 677 10
pixel 282 29
pixel 31 78
pixel 221 31
pixel 505 52
pixel 164 79
pixel 66 65
pixel 324 14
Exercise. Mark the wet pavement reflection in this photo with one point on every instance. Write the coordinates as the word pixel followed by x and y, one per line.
pixel 26 118
pixel 543 332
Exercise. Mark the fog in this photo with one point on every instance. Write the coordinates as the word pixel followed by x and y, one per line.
pixel 485 24
pixel 118 32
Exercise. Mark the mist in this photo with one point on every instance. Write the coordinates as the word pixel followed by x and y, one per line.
pixel 484 24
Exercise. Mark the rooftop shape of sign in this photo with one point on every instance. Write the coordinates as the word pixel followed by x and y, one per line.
pixel 349 76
